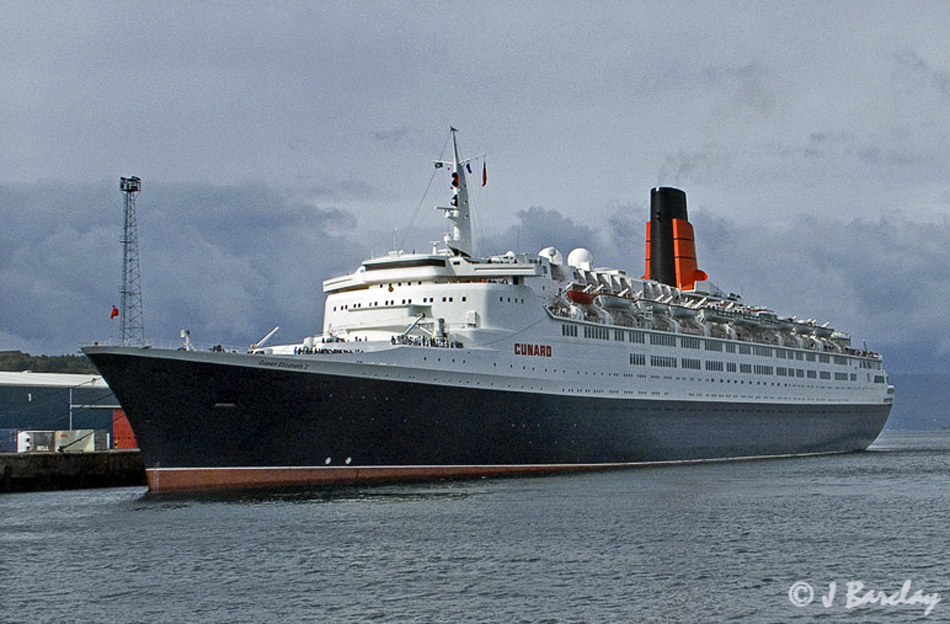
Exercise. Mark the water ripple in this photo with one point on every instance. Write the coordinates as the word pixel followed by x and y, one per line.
pixel 721 542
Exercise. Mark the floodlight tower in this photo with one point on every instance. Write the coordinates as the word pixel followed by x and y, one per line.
pixel 133 325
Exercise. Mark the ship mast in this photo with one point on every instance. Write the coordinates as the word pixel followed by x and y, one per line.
pixel 459 240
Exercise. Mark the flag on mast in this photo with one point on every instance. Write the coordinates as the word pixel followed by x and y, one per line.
pixel 484 173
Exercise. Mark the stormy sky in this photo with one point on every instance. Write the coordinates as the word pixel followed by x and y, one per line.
pixel 282 143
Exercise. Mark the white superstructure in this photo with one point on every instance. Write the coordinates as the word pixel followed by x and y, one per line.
pixel 540 323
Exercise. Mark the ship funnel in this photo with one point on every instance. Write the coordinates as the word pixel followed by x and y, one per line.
pixel 671 250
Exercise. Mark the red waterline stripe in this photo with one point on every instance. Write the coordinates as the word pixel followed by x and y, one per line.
pixel 198 479
pixel 204 479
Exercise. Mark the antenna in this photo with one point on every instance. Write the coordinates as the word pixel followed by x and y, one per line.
pixel 133 325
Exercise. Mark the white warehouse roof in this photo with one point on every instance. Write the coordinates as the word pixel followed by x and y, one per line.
pixel 54 380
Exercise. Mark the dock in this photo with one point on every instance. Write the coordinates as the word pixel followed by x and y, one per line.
pixel 30 472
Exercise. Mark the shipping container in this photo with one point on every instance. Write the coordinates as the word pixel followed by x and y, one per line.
pixel 81 441
pixel 34 441
pixel 8 440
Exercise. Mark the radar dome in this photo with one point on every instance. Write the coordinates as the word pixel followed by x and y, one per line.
pixel 552 254
pixel 580 258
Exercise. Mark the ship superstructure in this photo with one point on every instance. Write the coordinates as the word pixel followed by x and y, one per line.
pixel 451 364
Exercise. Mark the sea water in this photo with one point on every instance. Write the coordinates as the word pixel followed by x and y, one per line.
pixel 860 537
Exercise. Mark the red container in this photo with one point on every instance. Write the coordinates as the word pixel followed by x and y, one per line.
pixel 122 435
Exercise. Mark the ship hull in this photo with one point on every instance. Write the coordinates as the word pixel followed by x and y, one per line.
pixel 224 423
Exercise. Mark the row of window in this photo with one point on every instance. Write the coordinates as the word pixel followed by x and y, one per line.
pixel 392 302
pixel 665 361
pixel 353 306
pixel 691 342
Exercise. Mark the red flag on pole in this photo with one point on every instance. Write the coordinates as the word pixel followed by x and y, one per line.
pixel 114 313
pixel 484 173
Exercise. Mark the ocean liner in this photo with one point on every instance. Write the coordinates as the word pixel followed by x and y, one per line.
pixel 448 364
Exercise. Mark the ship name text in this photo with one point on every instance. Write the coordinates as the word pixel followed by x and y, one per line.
pixel 523 348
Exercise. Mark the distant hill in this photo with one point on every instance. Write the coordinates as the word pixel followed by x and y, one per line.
pixel 19 361
pixel 922 402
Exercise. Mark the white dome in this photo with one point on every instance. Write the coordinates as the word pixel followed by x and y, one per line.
pixel 552 254
pixel 580 258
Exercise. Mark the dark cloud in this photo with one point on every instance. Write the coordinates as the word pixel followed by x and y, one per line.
pixel 227 263
pixel 626 237
pixel 538 228
pixel 878 279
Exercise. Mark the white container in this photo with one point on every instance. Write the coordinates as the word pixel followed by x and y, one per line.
pixel 34 441
pixel 81 441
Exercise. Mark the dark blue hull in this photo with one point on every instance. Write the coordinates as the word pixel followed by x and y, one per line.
pixel 191 416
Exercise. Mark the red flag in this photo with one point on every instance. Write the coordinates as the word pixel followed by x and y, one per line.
pixel 484 174
pixel 115 312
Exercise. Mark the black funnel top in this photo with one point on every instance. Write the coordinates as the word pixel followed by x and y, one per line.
pixel 666 204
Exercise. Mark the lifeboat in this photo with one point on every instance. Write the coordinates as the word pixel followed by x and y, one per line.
pixel 613 302
pixel 786 323
pixel 581 297
pixel 682 311
pixel 804 327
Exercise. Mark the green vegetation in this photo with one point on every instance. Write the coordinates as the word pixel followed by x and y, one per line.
pixel 19 361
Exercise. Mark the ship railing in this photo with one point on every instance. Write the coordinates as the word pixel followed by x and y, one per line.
pixel 321 350
pixel 426 341
pixel 169 346
pixel 861 353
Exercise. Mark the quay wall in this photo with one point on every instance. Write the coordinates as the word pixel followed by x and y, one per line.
pixel 28 472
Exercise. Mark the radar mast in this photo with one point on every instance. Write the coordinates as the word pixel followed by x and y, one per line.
pixel 459 240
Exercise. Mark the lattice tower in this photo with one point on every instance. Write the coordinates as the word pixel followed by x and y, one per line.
pixel 133 324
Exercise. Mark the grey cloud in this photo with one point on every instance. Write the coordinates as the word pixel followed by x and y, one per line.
pixel 747 92
pixel 396 135
pixel 695 165
pixel 846 149
pixel 908 60
pixel 878 279
pixel 538 228
pixel 877 155
pixel 626 234
pixel 223 262
pixel 230 280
